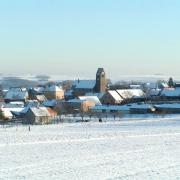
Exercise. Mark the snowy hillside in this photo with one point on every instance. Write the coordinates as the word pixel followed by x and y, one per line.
pixel 137 149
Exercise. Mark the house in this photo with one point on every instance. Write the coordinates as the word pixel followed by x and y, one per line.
pixel 16 94
pixel 68 94
pixel 54 92
pixel 81 87
pixel 39 90
pixel 34 91
pixel 12 108
pixel 29 104
pixel 93 99
pixel 111 97
pixel 7 113
pixel 74 106
pixel 124 109
pixel 171 93
pixel 177 84
pixel 39 115
pixel 150 85
pixel 122 96
pixel 153 93
pixel 154 89
pixel 52 113
pixel 111 109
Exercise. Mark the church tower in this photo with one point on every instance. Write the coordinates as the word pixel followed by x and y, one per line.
pixel 101 83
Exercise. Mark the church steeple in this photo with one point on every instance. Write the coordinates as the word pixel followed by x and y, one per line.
pixel 101 83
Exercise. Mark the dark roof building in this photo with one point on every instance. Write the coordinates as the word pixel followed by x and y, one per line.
pixel 81 87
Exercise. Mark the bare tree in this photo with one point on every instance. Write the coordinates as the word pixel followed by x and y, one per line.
pixel 67 85
pixel 2 117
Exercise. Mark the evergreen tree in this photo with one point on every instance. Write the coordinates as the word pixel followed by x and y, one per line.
pixel 171 82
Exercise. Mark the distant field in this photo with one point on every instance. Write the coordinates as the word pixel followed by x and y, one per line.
pixel 137 149
pixel 8 79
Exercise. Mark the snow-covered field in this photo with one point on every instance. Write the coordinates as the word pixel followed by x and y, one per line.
pixel 136 149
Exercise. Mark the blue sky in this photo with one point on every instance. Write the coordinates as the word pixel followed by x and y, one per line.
pixel 75 37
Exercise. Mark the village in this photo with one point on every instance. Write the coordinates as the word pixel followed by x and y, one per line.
pixel 86 99
pixel 89 90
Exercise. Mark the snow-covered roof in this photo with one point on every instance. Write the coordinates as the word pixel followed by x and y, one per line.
pixel 12 105
pixel 17 89
pixel 171 92
pixel 122 107
pixel 5 91
pixel 99 95
pixel 41 98
pixel 19 103
pixel 115 95
pixel 7 113
pixel 16 95
pixel 84 84
pixel 94 99
pixel 29 104
pixel 40 111
pixel 111 108
pixel 130 93
pixel 16 109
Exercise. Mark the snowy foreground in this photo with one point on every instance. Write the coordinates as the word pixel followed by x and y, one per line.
pixel 139 149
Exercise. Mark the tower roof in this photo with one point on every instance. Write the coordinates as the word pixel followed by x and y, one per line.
pixel 100 70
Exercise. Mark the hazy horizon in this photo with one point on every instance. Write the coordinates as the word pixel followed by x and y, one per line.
pixel 74 38
pixel 58 77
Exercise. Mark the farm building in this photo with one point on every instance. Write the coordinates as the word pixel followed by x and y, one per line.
pixel 39 115
pixel 111 97
pixel 16 94
pixel 54 92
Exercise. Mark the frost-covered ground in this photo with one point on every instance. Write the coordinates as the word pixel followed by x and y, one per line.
pixel 136 149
